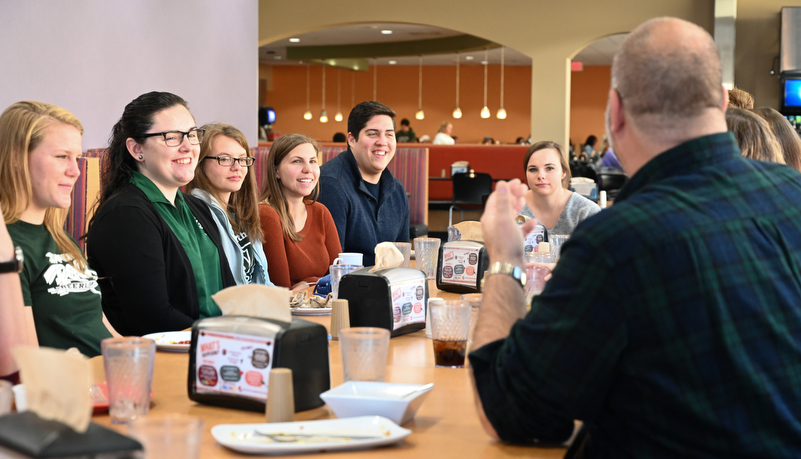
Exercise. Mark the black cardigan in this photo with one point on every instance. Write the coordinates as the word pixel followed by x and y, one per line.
pixel 145 277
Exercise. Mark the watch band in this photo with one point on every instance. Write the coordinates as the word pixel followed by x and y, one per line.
pixel 515 272
pixel 15 265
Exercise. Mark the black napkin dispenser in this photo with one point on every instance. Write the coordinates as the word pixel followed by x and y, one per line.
pixel 461 266
pixel 391 298
pixel 230 359
pixel 26 435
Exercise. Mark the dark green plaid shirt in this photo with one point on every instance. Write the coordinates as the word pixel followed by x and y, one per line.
pixel 672 323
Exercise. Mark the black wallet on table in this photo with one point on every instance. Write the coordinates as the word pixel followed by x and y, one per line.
pixel 26 435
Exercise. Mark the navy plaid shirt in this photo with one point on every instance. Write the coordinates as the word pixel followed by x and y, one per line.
pixel 672 323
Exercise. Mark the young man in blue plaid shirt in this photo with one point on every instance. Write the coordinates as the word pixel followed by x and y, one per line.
pixel 672 324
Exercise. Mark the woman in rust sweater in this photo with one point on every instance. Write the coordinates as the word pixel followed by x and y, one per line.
pixel 310 241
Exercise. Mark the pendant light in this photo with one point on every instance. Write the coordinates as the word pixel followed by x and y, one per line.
pixel 485 113
pixel 457 112
pixel 308 114
pixel 323 113
pixel 501 115
pixel 420 114
pixel 338 116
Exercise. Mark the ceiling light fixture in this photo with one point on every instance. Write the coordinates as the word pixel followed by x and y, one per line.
pixel 386 32
pixel 485 113
pixel 338 116
pixel 323 113
pixel 457 112
pixel 501 115
pixel 294 40
pixel 468 58
pixel 420 114
pixel 307 115
pixel 393 62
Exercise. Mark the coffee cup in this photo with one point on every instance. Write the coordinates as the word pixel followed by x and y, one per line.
pixel 349 258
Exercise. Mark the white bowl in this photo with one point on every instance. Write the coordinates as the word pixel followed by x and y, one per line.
pixel 398 402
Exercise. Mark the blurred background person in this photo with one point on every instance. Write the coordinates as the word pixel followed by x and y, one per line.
pixel 753 135
pixel 57 285
pixel 588 151
pixel 222 181
pixel 289 208
pixel 443 136
pixel 740 99
pixel 405 134
pixel 548 199
pixel 789 141
pixel 608 157
pixel 340 137
pixel 158 251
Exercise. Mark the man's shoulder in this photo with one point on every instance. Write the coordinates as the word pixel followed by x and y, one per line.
pixel 335 166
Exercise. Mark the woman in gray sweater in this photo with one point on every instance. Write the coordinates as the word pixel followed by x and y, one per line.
pixel 548 200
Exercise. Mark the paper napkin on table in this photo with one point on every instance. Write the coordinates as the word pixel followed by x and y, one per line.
pixel 255 300
pixel 56 384
pixel 387 256
pixel 471 231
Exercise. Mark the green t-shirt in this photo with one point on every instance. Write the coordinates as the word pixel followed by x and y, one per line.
pixel 199 248
pixel 66 302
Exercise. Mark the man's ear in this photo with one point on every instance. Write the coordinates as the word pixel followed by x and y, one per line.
pixel 351 139
pixel 725 103
pixel 617 118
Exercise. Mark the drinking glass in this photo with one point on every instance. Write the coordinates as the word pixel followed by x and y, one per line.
pixel 337 271
pixel 129 374
pixel 364 353
pixel 450 325
pixel 426 252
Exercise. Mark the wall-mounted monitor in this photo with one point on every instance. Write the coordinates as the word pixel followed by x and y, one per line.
pixel 791 94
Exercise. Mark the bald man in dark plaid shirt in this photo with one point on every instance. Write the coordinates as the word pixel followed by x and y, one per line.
pixel 672 324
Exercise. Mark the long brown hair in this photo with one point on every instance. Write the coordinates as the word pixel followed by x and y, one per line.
pixel 544 145
pixel 23 126
pixel 785 134
pixel 243 205
pixel 753 135
pixel 273 192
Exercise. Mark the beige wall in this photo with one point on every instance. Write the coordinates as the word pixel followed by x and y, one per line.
pixel 758 24
pixel 549 32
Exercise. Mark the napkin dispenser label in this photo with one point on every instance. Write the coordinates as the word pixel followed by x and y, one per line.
pixel 233 364
pixel 231 357
pixel 533 239
pixel 461 266
pixel 391 298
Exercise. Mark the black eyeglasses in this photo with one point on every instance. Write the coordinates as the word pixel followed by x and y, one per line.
pixel 228 161
pixel 174 138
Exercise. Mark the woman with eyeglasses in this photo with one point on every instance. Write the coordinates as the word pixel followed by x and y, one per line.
pixel 222 180
pixel 158 252
pixel 310 240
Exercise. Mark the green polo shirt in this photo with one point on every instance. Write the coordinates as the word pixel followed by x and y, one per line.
pixel 199 248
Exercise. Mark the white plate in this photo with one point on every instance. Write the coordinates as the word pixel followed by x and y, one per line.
pixel 310 311
pixel 241 437
pixel 166 341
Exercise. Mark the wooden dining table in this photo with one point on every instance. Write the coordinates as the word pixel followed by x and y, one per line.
pixel 446 425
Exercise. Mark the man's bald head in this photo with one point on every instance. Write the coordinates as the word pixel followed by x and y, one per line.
pixel 667 73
